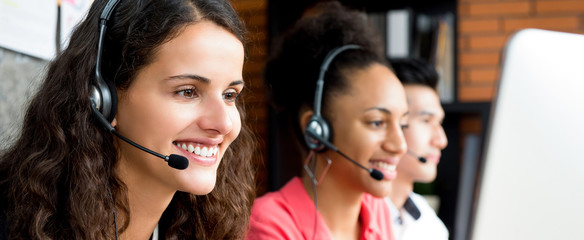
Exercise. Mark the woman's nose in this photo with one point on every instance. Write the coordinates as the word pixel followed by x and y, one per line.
pixel 216 116
pixel 395 141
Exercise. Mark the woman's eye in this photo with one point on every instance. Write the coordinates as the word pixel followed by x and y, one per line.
pixel 230 96
pixel 376 124
pixel 188 93
pixel 404 126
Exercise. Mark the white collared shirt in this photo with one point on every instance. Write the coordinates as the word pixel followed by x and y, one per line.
pixel 416 220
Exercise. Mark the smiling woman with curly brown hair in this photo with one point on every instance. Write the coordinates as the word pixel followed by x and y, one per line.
pixel 175 68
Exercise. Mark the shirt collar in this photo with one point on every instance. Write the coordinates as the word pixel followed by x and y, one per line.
pixel 368 222
pixel 411 208
pixel 304 210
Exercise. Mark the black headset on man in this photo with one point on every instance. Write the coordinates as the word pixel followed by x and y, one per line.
pixel 104 99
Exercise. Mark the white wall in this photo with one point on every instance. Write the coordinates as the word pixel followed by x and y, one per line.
pixel 19 77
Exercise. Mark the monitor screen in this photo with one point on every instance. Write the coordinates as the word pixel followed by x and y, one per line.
pixel 531 182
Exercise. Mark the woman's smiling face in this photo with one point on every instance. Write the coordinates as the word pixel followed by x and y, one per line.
pixel 183 103
pixel 367 124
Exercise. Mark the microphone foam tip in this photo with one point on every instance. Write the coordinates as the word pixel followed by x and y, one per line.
pixel 377 175
pixel 178 162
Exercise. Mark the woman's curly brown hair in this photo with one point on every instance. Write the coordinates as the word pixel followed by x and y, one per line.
pixel 57 179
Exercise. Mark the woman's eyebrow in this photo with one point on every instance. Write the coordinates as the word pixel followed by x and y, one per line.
pixel 190 76
pixel 381 109
pixel 385 110
pixel 201 79
pixel 237 82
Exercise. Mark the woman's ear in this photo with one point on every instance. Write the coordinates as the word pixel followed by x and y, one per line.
pixel 304 118
pixel 114 122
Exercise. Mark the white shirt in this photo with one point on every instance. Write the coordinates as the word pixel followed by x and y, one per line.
pixel 416 220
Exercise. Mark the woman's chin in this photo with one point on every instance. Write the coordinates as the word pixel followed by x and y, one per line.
pixel 382 189
pixel 200 186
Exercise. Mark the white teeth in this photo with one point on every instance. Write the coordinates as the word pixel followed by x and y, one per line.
pixel 204 151
pixel 384 165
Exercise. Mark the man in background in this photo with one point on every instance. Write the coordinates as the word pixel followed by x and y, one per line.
pixel 413 218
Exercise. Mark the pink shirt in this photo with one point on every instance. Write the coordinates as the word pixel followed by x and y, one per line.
pixel 289 214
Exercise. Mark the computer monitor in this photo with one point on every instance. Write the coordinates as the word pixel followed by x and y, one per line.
pixel 531 183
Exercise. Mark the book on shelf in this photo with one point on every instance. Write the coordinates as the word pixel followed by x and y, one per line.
pixel 431 37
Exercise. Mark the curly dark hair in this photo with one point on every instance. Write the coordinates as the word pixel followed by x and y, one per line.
pixel 292 70
pixel 55 177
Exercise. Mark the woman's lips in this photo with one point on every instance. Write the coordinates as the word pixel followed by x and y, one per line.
pixel 199 154
pixel 387 167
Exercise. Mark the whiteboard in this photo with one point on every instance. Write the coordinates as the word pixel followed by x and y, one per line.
pixel 29 27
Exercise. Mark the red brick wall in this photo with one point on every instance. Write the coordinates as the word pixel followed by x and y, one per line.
pixel 254 15
pixel 484 27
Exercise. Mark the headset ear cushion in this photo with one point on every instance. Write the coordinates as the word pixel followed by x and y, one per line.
pixel 114 101
pixel 104 95
pixel 318 126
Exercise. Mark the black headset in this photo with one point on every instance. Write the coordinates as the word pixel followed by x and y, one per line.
pixel 318 125
pixel 104 99
pixel 103 94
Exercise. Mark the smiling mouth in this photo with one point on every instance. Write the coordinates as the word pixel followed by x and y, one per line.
pixel 383 165
pixel 197 149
